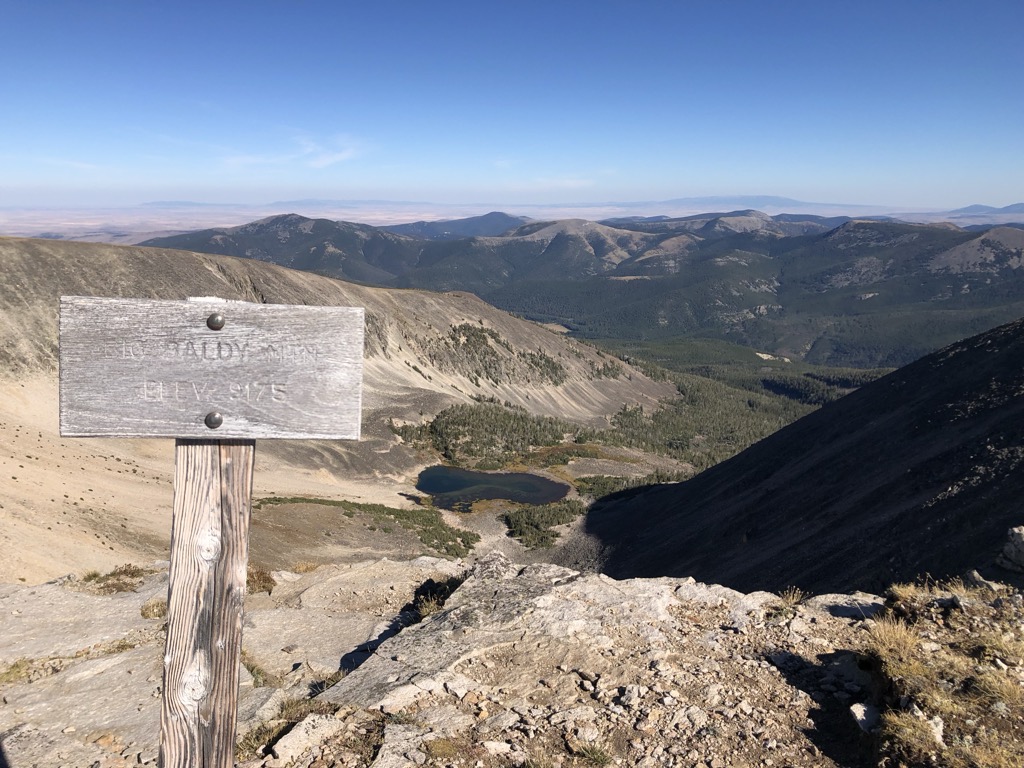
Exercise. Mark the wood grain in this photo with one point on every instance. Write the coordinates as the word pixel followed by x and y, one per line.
pixel 142 368
pixel 209 554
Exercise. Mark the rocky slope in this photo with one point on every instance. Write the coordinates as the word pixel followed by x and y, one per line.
pixel 916 473
pixel 538 663
pixel 70 504
pixel 386 664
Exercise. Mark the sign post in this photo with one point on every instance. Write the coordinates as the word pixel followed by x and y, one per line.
pixel 215 375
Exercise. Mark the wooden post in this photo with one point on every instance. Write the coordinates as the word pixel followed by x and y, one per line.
pixel 194 370
pixel 209 553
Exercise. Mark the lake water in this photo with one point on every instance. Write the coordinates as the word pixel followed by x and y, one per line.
pixel 456 489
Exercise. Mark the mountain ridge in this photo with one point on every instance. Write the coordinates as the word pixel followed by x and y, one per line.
pixel 837 291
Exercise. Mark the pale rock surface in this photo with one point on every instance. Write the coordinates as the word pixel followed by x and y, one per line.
pixel 546 661
pixel 303 737
pixel 95 664
pixel 521 663
pixel 51 620
pixel 356 605
pixel 859 605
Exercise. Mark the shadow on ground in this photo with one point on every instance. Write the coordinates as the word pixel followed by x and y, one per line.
pixel 834 681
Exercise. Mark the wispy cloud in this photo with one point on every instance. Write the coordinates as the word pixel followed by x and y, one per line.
pixel 340 149
pixel 304 151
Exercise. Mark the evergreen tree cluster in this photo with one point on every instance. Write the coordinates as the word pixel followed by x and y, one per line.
pixel 532 524
pixel 489 435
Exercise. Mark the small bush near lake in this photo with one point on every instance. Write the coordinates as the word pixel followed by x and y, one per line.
pixel 597 486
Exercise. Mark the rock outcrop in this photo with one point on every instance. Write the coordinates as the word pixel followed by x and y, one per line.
pixel 537 663
pixel 1012 555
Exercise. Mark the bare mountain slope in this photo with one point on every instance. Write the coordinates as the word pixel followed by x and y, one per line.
pixel 918 472
pixel 74 504
pixel 998 249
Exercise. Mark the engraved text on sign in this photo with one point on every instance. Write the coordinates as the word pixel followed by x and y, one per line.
pixel 132 367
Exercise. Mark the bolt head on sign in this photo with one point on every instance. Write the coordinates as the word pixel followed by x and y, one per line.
pixel 209 369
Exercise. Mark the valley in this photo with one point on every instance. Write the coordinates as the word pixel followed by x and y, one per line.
pixel 451 380
pixel 447 378
pixel 415 366
pixel 515 633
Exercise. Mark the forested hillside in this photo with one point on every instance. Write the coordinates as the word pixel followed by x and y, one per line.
pixel 833 291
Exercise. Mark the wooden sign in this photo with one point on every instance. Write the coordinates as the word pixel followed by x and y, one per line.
pixel 215 375
pixel 206 368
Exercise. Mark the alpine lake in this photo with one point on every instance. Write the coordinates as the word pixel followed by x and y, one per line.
pixel 456 489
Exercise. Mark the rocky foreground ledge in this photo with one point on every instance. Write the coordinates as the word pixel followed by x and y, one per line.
pixel 520 666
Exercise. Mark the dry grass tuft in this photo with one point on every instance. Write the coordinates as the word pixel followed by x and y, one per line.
pixel 789 599
pixel 792 596
pixel 293 711
pixel 594 754
pixel 996 687
pixel 906 592
pixel 431 597
pixel 154 608
pixel 261 677
pixel 258 580
pixel 892 640
pixel 124 578
pixel 913 735
pixel 952 656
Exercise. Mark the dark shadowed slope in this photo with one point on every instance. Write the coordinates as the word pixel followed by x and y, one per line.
pixel 918 472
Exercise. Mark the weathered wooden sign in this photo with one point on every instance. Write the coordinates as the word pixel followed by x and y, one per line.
pixel 215 375
pixel 209 369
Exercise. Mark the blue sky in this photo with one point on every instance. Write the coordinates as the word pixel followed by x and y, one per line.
pixel 901 103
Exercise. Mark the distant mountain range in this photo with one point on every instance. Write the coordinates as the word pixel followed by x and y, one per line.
pixel 830 290
pixel 920 472
pixel 1015 208
pixel 671 208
